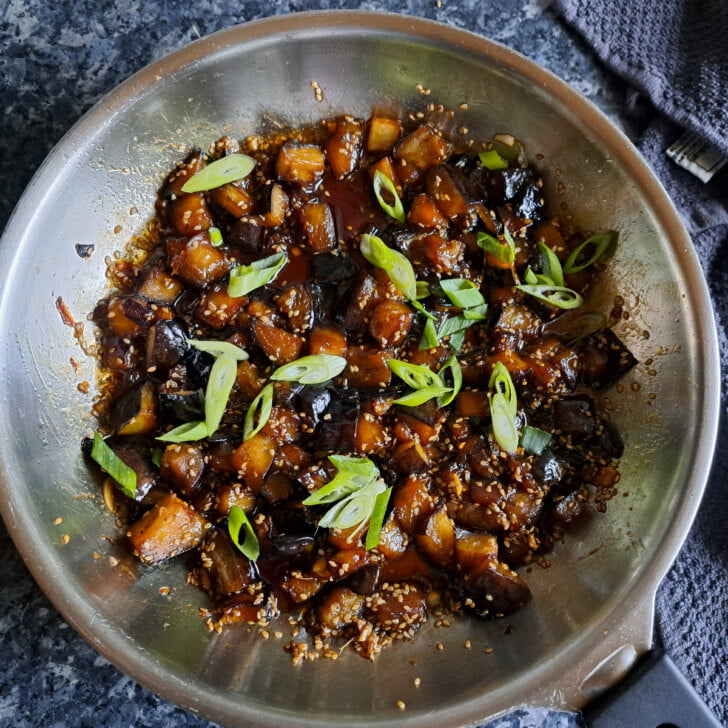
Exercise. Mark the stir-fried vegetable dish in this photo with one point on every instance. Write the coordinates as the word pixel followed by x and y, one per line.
pixel 354 381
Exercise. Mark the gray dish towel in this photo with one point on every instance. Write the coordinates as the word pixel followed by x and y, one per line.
pixel 675 53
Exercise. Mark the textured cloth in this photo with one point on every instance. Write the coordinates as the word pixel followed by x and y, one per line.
pixel 675 52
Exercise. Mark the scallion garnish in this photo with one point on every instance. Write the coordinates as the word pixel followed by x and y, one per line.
pixel 455 327
pixel 314 369
pixel 349 464
pixel 376 520
pixel 357 493
pixel 215 236
pixel 246 278
pixel 157 456
pixel 534 440
pixel 504 425
pixel 558 296
pixel 217 348
pixel 476 313
pixel 219 173
pixel 417 305
pixel 382 183
pixel 457 340
pixel 186 432
pixel 452 365
pixel 551 265
pixel 420 396
pixel 462 292
pixel 117 469
pixel 396 265
pixel 492 160
pixel 259 412
pixel 503 408
pixel 217 393
pixel 415 376
pixel 219 385
pixel 375 250
pixel 500 381
pixel 429 338
pixel 422 289
pixel 237 522
pixel 578 260
pixel 504 252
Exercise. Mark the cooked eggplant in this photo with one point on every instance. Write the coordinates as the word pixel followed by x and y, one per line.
pixel 413 412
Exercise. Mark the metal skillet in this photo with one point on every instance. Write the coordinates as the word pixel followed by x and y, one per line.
pixel 592 613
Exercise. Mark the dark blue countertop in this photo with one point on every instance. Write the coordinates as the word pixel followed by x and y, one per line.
pixel 56 60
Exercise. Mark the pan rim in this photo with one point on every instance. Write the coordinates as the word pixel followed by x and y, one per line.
pixel 118 649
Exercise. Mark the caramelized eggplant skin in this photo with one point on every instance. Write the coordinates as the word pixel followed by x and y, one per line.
pixel 463 513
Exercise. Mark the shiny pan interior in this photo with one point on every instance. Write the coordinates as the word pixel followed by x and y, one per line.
pixel 592 609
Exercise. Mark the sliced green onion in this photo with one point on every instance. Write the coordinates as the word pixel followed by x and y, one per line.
pixel 398 268
pixel 558 296
pixel 452 325
pixel 351 512
pixel 314 369
pixel 215 236
pixel 157 456
pixel 246 278
pixel 492 160
pixel 402 274
pixel 551 265
pixel 504 426
pixel 420 396
pixel 237 522
pixel 376 520
pixel 259 412
pixel 217 348
pixel 116 468
pixel 506 253
pixel 187 432
pixel 395 210
pixel 417 305
pixel 416 376
pixel 376 252
pixel 219 173
pixel 340 486
pixel 534 440
pixel 462 292
pixel 429 338
pixel 422 289
pixel 500 381
pixel 510 148
pixel 457 340
pixel 359 466
pixel 452 365
pixel 578 260
pixel 219 386
pixel 476 313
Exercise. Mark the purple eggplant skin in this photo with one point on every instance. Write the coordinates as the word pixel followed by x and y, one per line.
pixel 181 406
pixel 338 431
pixel 328 267
pixel 133 451
pixel 166 345
pixel 497 591
pixel 198 364
pixel 364 581
pixel 575 416
pixel 548 469
pixel 314 401
pixel 246 235
pixel 618 359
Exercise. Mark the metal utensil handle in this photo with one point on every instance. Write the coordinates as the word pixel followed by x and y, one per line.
pixel 654 695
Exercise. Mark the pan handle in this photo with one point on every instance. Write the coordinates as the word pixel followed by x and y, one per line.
pixel 653 695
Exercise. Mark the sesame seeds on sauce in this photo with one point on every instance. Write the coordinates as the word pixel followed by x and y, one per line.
pixel 464 510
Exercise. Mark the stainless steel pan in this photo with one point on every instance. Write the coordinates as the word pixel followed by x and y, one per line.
pixel 592 612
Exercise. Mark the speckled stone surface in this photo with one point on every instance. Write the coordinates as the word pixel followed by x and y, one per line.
pixel 56 60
